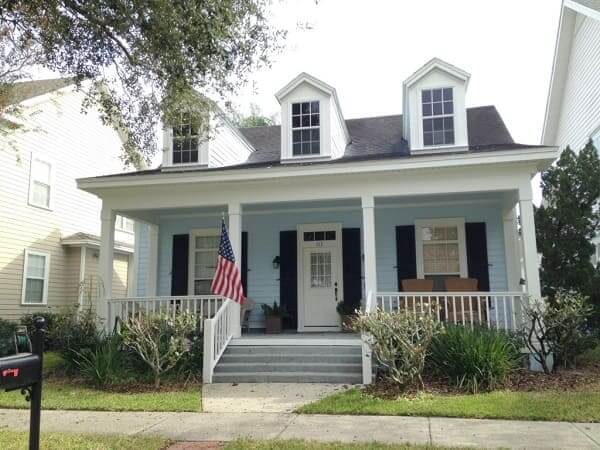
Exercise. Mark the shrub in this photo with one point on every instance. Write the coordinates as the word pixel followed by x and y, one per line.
pixel 189 366
pixel 159 340
pixel 8 345
pixel 50 316
pixel 104 365
pixel 476 360
pixel 399 342
pixel 558 328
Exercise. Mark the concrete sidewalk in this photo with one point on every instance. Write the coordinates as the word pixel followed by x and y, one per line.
pixel 230 426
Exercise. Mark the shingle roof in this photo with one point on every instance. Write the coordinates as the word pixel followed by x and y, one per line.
pixel 24 90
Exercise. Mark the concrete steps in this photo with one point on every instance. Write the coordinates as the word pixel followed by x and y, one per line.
pixel 290 364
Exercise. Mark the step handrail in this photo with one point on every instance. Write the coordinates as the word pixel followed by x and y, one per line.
pixel 218 332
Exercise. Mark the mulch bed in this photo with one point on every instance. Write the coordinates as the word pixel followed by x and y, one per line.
pixel 521 381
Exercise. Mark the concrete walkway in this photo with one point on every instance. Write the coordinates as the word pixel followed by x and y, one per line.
pixel 263 397
pixel 230 426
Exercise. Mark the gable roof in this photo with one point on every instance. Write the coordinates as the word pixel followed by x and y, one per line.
pixel 24 90
pixel 562 50
pixel 436 63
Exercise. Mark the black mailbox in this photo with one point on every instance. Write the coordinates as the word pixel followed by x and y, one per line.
pixel 20 371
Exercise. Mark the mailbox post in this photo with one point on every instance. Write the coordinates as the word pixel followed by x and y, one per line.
pixel 24 371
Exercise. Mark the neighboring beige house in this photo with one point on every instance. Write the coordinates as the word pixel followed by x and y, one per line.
pixel 573 108
pixel 48 228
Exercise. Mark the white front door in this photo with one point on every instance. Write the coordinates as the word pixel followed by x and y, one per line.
pixel 320 278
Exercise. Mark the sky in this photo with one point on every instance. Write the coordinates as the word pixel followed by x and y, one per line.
pixel 365 49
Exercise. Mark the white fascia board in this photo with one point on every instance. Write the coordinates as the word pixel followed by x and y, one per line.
pixel 540 157
pixel 437 63
pixel 318 84
pixel 560 64
pixel 583 9
pixel 120 248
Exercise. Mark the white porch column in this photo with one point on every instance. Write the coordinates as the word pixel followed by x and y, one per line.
pixel 368 209
pixel 530 255
pixel 235 236
pixel 151 280
pixel 105 269
pixel 512 252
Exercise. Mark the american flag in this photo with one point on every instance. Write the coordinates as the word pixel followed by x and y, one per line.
pixel 227 281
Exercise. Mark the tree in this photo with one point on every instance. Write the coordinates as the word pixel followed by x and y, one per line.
pixel 567 221
pixel 148 60
pixel 254 119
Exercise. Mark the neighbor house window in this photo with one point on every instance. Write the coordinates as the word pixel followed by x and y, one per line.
pixel 438 116
pixel 306 133
pixel 124 224
pixel 36 269
pixel 441 250
pixel 204 247
pixel 185 141
pixel 40 183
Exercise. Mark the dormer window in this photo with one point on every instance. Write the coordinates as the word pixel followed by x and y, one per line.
pixel 306 133
pixel 185 141
pixel 438 116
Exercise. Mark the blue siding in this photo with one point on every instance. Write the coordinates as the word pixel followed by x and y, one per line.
pixel 263 243
pixel 142 255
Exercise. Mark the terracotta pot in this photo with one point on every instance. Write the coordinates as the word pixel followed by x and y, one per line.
pixel 272 324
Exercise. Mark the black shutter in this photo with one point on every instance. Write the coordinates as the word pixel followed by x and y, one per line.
pixel 477 255
pixel 352 266
pixel 244 262
pixel 406 253
pixel 288 278
pixel 179 264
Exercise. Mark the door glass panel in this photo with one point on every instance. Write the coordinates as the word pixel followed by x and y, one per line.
pixel 205 262
pixel 320 270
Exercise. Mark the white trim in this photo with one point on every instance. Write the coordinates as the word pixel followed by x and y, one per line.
pixel 542 157
pixel 122 228
pixel 297 340
pixel 94 243
pixel 197 232
pixel 436 63
pixel 582 9
pixel 49 162
pixel 337 277
pixel 82 258
pixel 433 147
pixel 46 278
pixel 459 222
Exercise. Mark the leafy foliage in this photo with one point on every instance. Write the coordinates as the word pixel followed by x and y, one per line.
pixel 558 328
pixel 7 338
pixel 567 221
pixel 476 360
pixel 104 365
pixel 148 58
pixel 399 341
pixel 160 340
pixel 51 318
pixel 271 311
pixel 254 119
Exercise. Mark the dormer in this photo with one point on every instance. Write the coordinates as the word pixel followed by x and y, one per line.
pixel 312 125
pixel 434 112
pixel 185 145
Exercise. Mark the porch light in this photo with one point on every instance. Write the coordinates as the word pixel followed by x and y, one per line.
pixel 276 262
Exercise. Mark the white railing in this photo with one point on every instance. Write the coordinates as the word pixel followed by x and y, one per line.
pixel 218 331
pixel 500 310
pixel 202 306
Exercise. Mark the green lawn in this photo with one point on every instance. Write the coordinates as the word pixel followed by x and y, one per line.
pixel 11 440
pixel 295 444
pixel 580 406
pixel 61 395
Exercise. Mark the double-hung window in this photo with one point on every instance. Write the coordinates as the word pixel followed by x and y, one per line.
pixel 40 183
pixel 124 224
pixel 36 270
pixel 185 141
pixel 306 131
pixel 204 248
pixel 441 250
pixel 438 116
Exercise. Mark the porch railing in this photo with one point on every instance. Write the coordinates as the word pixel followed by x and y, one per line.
pixel 500 310
pixel 202 306
pixel 218 331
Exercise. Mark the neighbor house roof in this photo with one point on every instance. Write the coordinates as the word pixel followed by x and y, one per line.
pixel 372 138
pixel 91 240
pixel 24 90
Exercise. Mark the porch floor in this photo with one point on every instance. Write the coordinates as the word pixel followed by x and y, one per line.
pixel 299 339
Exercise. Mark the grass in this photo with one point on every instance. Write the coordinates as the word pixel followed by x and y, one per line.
pixel 296 444
pixel 571 406
pixel 11 440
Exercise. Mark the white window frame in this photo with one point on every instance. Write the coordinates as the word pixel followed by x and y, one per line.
pixel 301 128
pixel 441 116
pixel 49 162
pixel 120 224
pixel 201 232
pixel 459 222
pixel 46 278
pixel 172 139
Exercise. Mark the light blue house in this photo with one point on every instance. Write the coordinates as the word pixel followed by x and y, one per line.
pixel 372 212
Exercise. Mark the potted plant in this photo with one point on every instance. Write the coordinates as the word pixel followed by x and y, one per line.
pixel 272 318
pixel 346 313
